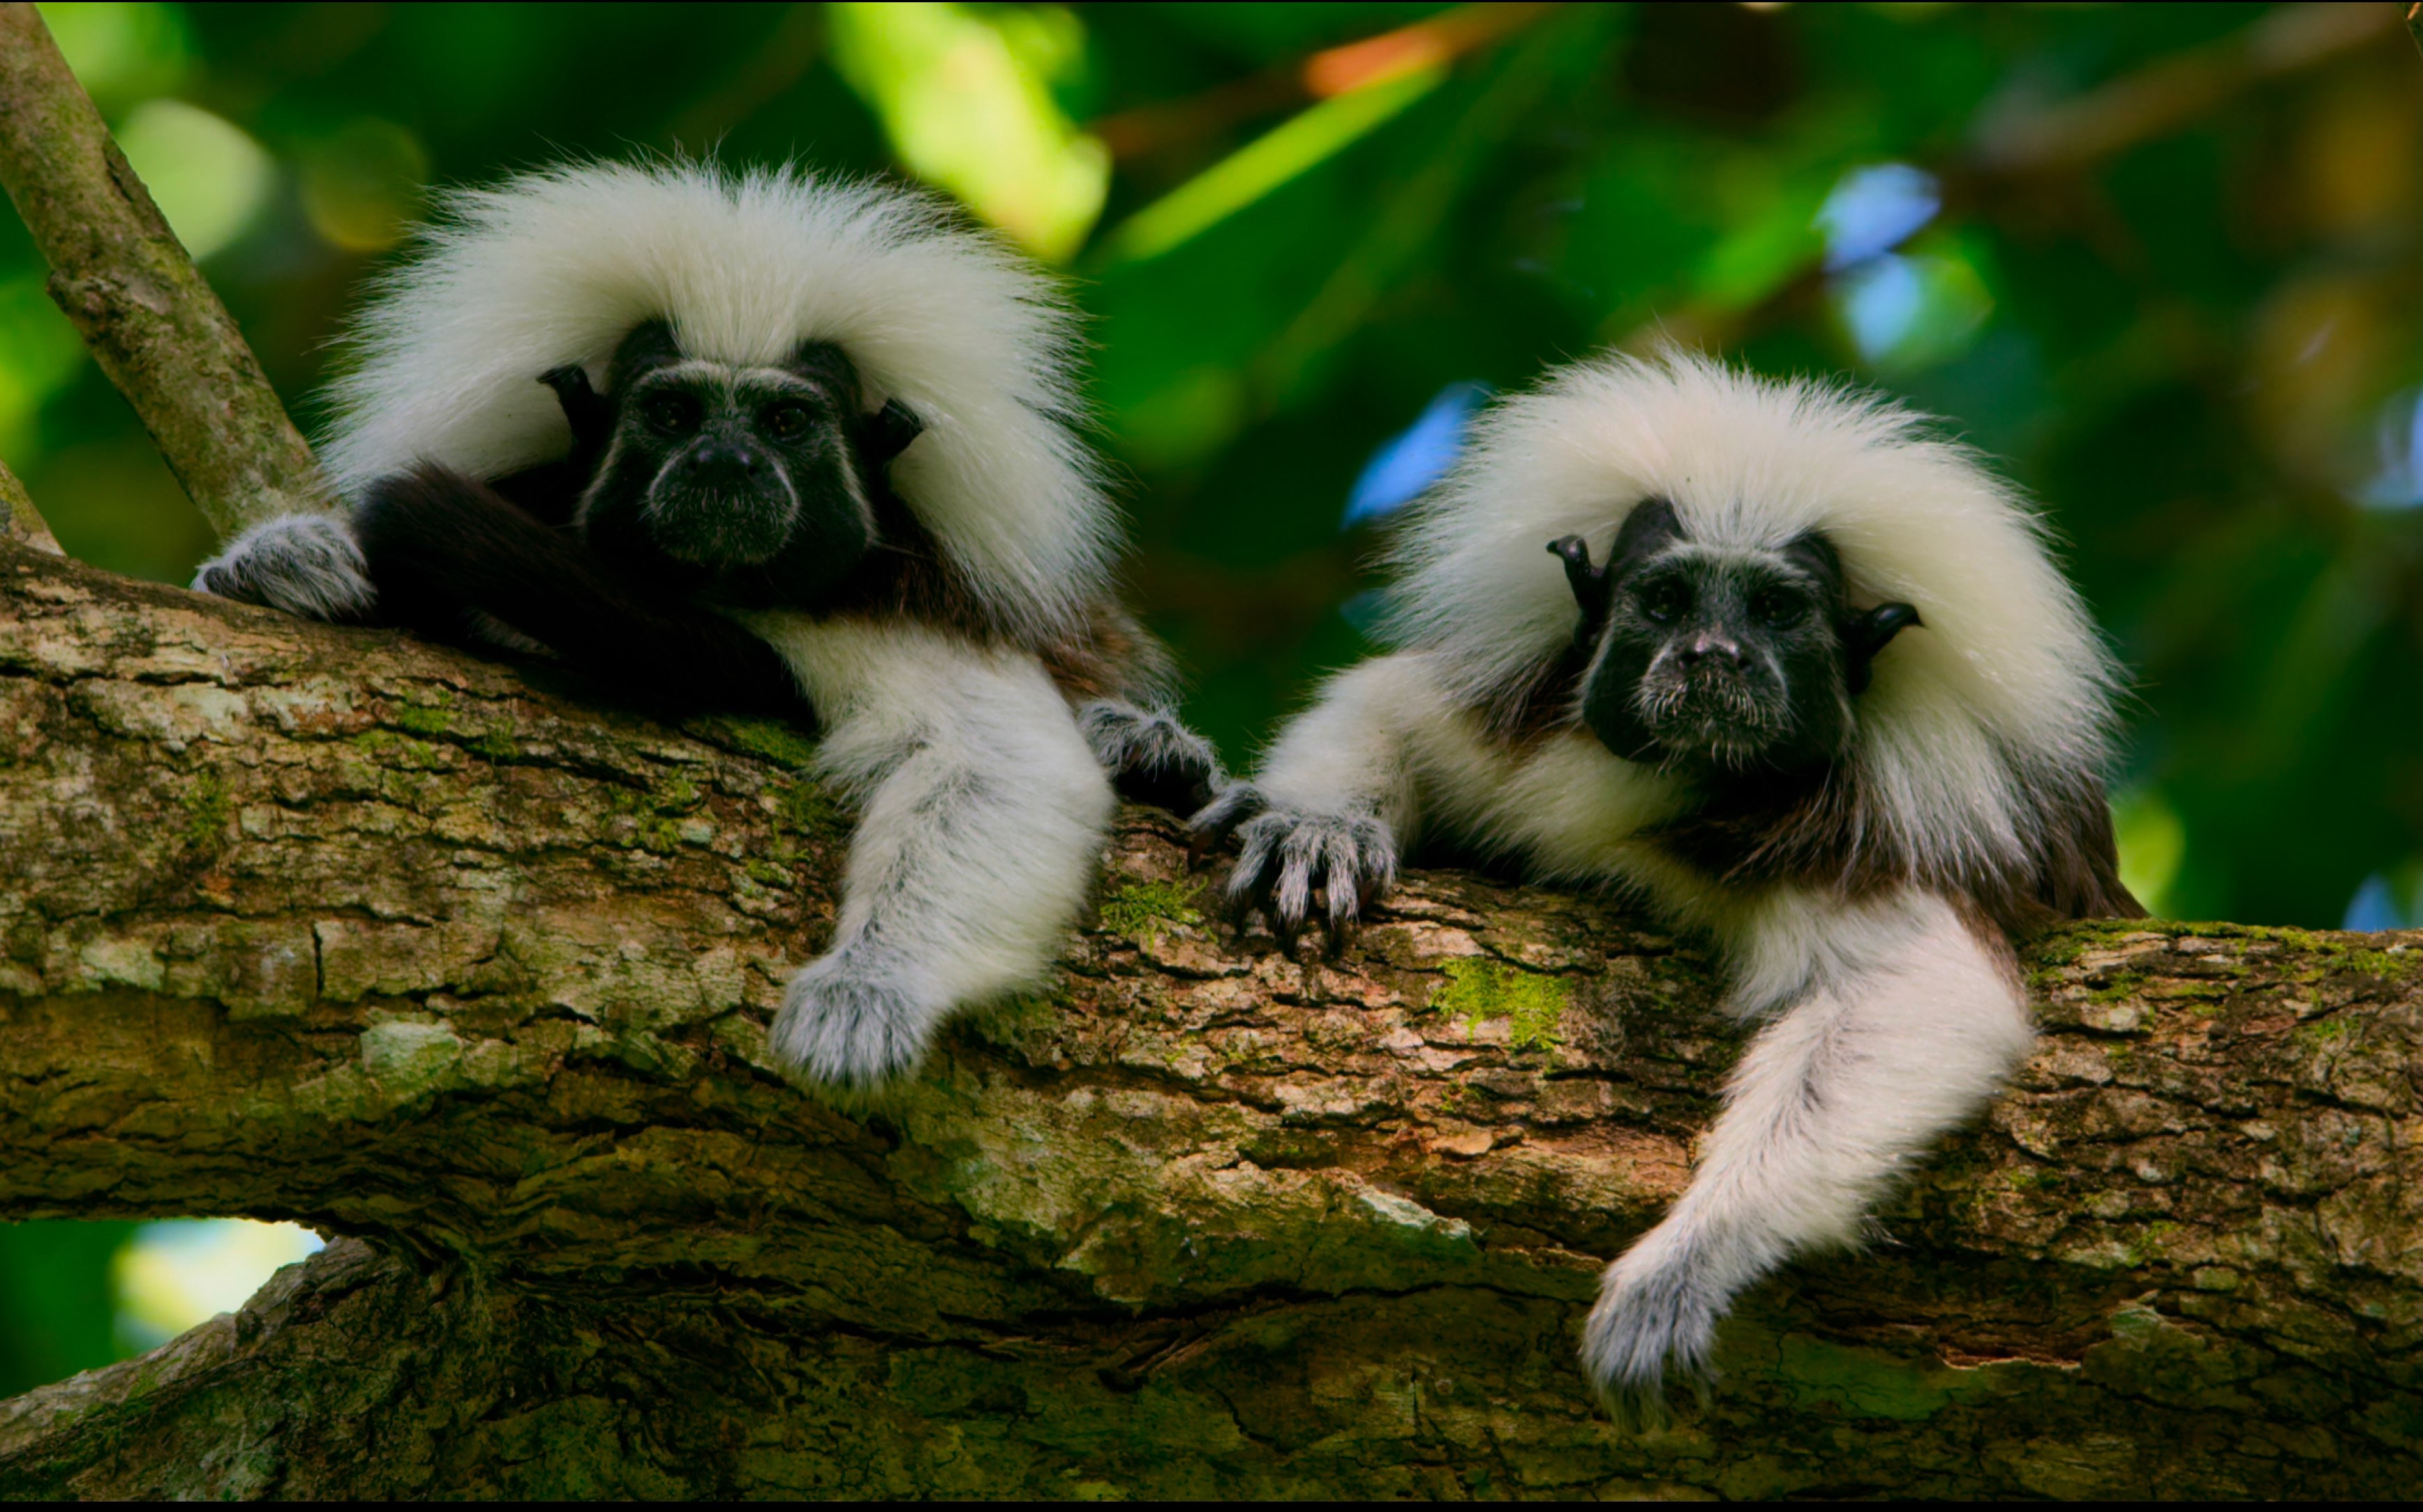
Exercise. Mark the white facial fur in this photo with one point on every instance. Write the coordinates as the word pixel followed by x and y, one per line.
pixel 555 268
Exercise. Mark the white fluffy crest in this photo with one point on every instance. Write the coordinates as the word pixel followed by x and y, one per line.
pixel 556 267
pixel 2006 684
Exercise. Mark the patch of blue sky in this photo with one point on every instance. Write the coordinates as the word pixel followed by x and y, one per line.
pixel 1874 208
pixel 2375 907
pixel 1881 302
pixel 1408 462
pixel 2399 485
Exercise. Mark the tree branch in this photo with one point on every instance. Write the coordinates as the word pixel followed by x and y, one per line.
pixel 2168 95
pixel 19 520
pixel 140 304
pixel 327 924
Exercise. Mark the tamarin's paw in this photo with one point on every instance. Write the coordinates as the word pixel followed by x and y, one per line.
pixel 1288 853
pixel 306 564
pixel 845 1027
pixel 1654 1322
pixel 1151 757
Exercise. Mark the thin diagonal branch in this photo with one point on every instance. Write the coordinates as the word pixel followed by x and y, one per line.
pixel 149 317
pixel 19 520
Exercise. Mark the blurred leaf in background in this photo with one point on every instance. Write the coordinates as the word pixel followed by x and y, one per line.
pixel 58 1307
pixel 965 97
pixel 2164 263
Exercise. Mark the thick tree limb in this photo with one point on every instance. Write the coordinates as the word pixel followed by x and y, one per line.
pixel 326 924
pixel 140 304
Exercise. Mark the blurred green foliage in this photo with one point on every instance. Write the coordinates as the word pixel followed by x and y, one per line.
pixel 2161 262
pixel 56 1315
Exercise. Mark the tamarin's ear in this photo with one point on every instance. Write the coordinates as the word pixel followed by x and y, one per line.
pixel 1864 635
pixel 1592 588
pixel 1650 526
pixel 590 414
pixel 887 432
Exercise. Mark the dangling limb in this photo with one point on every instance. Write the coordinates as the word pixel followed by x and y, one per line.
pixel 1901 1023
pixel 983 819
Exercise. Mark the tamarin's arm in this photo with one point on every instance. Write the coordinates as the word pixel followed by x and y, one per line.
pixel 307 565
pixel 982 817
pixel 1894 1021
pixel 439 545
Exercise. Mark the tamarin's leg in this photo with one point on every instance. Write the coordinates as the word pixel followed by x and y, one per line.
pixel 1899 1022
pixel 983 815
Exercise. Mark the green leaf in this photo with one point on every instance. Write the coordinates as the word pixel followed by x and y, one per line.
pixel 1253 171
pixel 966 98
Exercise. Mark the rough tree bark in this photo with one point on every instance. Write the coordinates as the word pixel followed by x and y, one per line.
pixel 329 925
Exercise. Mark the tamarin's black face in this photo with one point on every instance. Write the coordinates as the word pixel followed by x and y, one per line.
pixel 752 486
pixel 1718 659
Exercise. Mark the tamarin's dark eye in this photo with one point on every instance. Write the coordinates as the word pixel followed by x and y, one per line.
pixel 788 420
pixel 1665 600
pixel 671 413
pixel 1774 607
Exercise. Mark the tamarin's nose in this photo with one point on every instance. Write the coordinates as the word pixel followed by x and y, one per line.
pixel 1707 647
pixel 728 457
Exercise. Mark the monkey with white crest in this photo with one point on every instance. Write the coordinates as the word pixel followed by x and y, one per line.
pixel 770 442
pixel 1802 676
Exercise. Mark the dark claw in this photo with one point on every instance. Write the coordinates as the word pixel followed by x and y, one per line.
pixel 1244 907
pixel 1260 897
pixel 1286 860
pixel 1211 824
pixel 1283 930
pixel 1366 891
pixel 1341 933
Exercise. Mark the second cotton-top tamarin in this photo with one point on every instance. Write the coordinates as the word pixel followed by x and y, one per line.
pixel 1773 658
